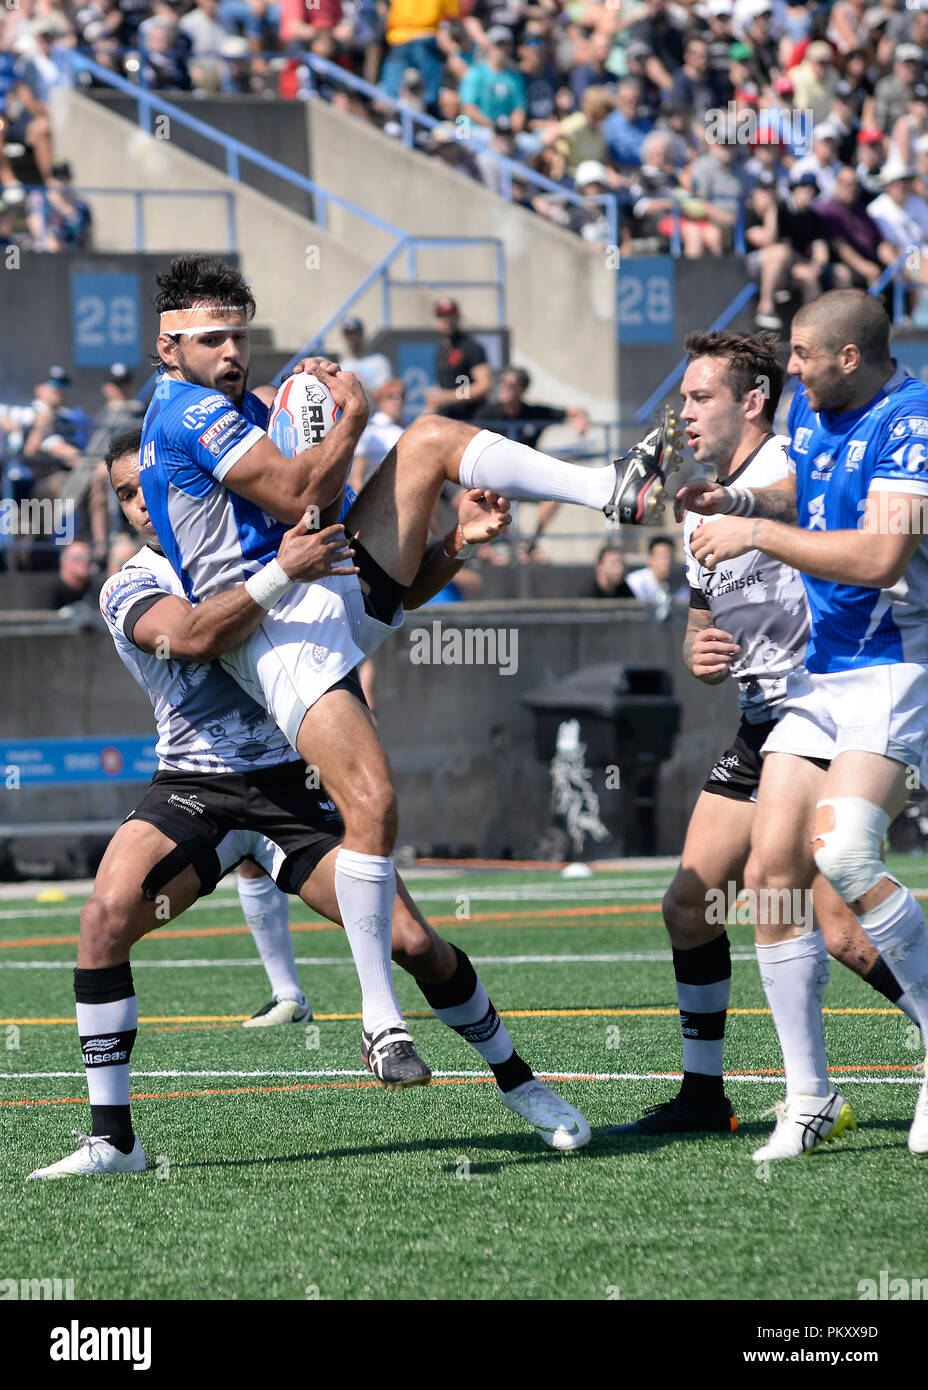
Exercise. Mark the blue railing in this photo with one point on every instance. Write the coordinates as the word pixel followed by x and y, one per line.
pixel 138 195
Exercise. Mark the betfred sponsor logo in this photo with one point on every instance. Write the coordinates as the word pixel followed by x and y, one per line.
pixel 217 427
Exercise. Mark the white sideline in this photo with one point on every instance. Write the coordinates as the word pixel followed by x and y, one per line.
pixel 616 958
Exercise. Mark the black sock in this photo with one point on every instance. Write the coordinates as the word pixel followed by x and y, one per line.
pixel 464 1005
pixel 107 1021
pixel 703 988
pixel 882 979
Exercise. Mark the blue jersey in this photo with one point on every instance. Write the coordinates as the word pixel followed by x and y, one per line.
pixel 191 437
pixel 838 461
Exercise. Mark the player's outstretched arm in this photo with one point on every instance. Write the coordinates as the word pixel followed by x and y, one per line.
pixel 482 516
pixel 176 630
pixel 707 650
pixel 285 487
pixel 875 556
pixel 776 503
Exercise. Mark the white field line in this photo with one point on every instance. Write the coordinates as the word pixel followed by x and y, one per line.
pixel 615 958
pixel 333 1072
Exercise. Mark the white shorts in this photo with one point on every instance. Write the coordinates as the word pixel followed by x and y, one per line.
pixel 307 642
pixel 249 844
pixel 374 632
pixel 874 709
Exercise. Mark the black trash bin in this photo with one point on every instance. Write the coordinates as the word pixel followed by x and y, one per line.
pixel 604 731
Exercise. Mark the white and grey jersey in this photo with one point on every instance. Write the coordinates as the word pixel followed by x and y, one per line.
pixel 760 601
pixel 206 722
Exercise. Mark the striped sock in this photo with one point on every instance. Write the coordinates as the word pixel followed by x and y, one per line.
pixel 463 1004
pixel 107 1021
pixel 703 990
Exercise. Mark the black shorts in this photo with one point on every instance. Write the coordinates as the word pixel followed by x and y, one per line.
pixel 198 809
pixel 385 595
pixel 736 772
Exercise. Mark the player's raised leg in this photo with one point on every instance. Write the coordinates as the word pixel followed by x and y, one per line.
pixel 859 799
pixel 455 992
pixel 267 911
pixel 793 960
pixel 337 737
pixel 113 918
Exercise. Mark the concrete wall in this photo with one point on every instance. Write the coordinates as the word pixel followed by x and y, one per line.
pixel 300 274
pixel 460 740
pixel 560 295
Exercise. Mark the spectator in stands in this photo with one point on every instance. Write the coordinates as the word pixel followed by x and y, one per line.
pixel 719 38
pixel 383 430
pixel 814 80
pixel 625 126
pixel 164 58
pixel 206 37
pixel 910 127
pixel 717 182
pixel 858 249
pixel 253 18
pixel 650 96
pixel 541 81
pixel 844 121
pixel 57 218
pixel 74 575
pixel 676 123
pixel 767 158
pixel 656 582
pixel 444 143
pixel 412 42
pixel 788 245
pixel 25 121
pixel 664 40
pixel 581 136
pixel 592 223
pixel 302 20
pixel 464 376
pixel 58 431
pixel 758 35
pixel 893 93
pixel 595 72
pixel 609 575
pixel 900 213
pixel 655 193
pixel 694 84
pixel 823 162
pixel 846 23
pixel 373 368
pixel 524 421
pixel 493 88
pixel 870 159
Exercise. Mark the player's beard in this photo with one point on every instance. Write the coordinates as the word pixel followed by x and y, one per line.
pixel 718 453
pixel 236 394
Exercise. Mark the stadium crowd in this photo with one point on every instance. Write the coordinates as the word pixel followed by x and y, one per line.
pixel 710 124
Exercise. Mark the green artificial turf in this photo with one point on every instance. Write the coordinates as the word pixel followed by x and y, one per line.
pixel 289 1179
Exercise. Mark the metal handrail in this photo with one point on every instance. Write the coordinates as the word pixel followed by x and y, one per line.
pixel 139 194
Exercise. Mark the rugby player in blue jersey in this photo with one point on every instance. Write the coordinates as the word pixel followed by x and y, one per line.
pixel 852 736
pixel 220 495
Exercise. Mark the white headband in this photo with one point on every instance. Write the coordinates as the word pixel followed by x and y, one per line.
pixel 177 322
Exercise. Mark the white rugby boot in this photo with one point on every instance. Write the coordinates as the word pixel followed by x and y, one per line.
pixel 559 1124
pixel 95 1156
pixel 803 1123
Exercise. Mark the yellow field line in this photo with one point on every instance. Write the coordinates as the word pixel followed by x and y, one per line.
pixel 504 1013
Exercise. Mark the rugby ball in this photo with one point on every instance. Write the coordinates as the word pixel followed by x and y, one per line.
pixel 303 413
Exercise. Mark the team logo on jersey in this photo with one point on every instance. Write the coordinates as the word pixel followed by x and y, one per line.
pixel 911 425
pixel 855 451
pixel 822 466
pixel 817 513
pixel 198 414
pixel 801 439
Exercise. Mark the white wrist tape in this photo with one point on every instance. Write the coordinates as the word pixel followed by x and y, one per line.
pixel 741 501
pixel 269 584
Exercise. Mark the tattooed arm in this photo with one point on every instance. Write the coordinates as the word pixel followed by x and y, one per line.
pixel 775 503
pixel 707 650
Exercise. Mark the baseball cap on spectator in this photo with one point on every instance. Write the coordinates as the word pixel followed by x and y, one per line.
pixel 740 52
pixel 445 306
pixel 765 180
pixel 909 53
pixel 805 180
pixel 782 86
pixel 718 9
pixel 766 135
pixel 591 171
pixel 498 34
pixel 895 171
pixel 352 325
pixel 752 9
pixel 58 376
pixel 119 374
pixel 637 49
pixel 875 18
pixel 820 52
pixel 869 135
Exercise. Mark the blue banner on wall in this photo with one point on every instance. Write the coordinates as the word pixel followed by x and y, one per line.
pixel 646 305
pixel 106 315
pixel 49 762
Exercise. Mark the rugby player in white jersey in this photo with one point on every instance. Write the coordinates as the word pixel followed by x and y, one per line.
pixel 219 493
pixel 748 621
pixel 203 813
pixel 858 428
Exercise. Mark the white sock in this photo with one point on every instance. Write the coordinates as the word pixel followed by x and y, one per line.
pixel 794 974
pixel 897 930
pixel 267 912
pixel 516 471
pixel 365 887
